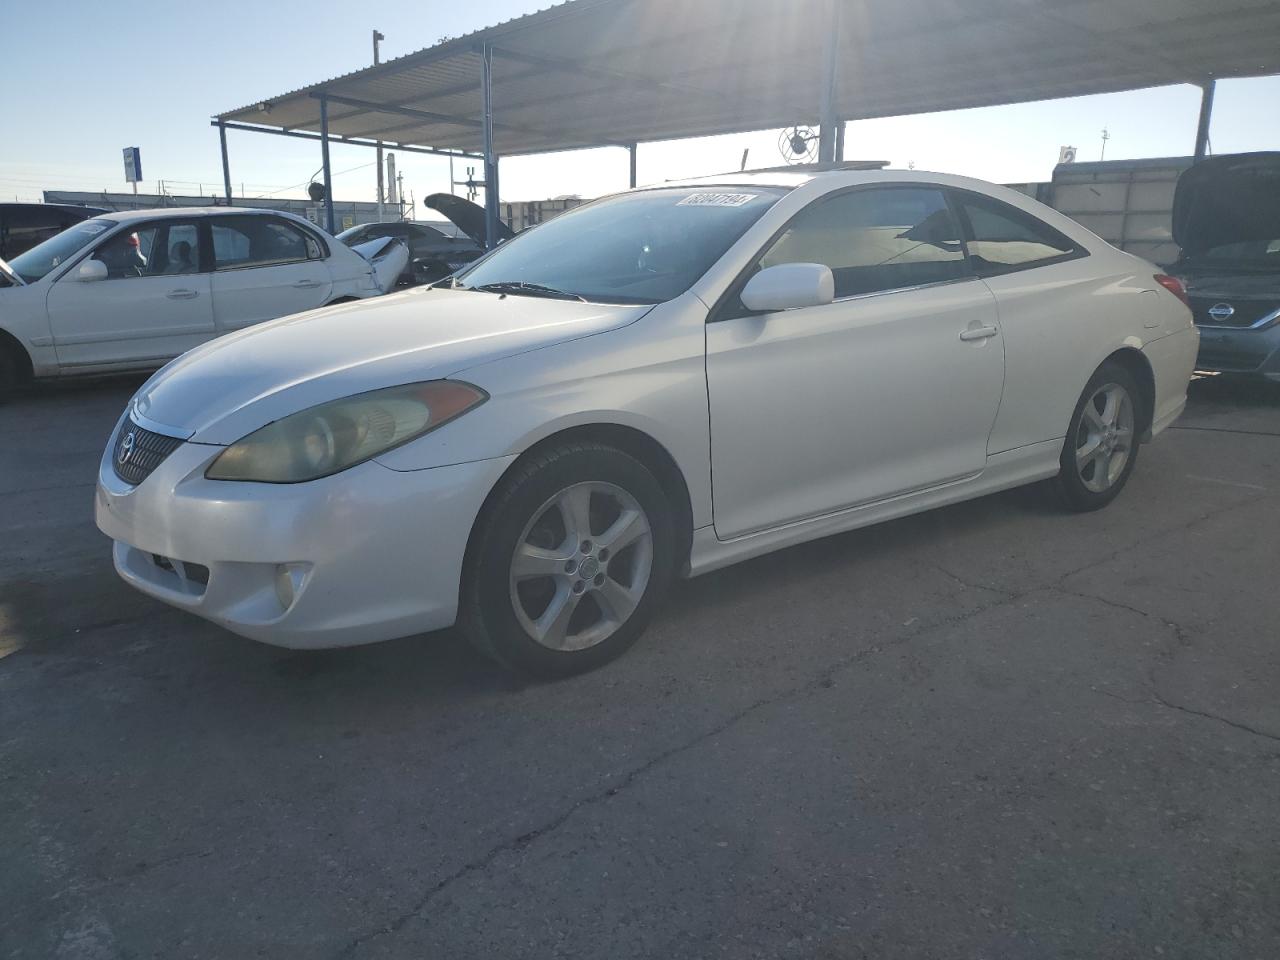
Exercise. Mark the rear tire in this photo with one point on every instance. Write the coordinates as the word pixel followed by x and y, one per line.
pixel 1101 447
pixel 567 561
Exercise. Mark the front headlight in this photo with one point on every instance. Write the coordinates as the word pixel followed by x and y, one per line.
pixel 334 436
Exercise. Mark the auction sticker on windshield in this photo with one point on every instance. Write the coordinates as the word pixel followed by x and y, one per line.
pixel 716 199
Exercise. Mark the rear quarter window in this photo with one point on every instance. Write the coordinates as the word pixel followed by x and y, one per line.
pixel 1001 238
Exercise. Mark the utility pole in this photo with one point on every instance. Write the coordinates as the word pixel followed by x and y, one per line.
pixel 376 60
pixel 1105 137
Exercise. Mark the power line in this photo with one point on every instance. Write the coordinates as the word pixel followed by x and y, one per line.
pixel 299 186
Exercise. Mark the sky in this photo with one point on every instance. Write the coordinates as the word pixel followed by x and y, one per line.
pixel 151 74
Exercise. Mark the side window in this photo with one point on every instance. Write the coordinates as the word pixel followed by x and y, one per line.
pixel 153 250
pixel 1004 238
pixel 256 241
pixel 182 250
pixel 128 254
pixel 883 238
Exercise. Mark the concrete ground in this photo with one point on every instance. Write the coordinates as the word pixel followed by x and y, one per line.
pixel 990 731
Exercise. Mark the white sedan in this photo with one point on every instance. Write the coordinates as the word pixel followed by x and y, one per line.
pixel 133 290
pixel 656 384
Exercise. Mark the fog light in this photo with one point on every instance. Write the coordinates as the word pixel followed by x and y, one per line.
pixel 289 580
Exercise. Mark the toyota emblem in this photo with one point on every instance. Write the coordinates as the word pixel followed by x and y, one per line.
pixel 126 448
pixel 1222 311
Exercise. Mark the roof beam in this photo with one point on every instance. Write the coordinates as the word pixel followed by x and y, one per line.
pixel 619 77
pixel 426 116
pixel 372 107
pixel 333 138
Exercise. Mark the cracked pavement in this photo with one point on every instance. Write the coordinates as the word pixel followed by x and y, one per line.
pixel 994 730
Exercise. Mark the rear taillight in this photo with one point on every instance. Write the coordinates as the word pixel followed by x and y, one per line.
pixel 1174 286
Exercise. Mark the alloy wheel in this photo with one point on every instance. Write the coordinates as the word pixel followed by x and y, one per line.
pixel 1104 437
pixel 581 566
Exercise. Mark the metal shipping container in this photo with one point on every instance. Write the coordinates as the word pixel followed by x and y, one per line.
pixel 1128 203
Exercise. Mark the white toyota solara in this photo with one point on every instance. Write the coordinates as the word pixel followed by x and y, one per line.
pixel 656 384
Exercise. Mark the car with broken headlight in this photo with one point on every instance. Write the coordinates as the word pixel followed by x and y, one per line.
pixel 654 385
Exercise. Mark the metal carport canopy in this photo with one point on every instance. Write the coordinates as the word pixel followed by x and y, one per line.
pixel 600 72
pixel 590 73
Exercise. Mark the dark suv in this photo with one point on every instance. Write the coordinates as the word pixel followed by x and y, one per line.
pixel 23 225
pixel 1226 221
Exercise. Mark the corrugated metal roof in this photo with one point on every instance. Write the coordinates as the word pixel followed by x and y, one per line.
pixel 597 72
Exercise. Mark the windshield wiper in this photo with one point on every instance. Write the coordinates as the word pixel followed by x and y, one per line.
pixel 522 289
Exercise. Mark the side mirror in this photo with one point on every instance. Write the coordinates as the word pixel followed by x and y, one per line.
pixel 92 270
pixel 789 286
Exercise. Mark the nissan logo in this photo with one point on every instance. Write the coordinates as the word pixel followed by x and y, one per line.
pixel 125 453
pixel 1222 311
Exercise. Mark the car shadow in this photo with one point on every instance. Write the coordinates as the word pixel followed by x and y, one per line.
pixel 443 668
pixel 1224 389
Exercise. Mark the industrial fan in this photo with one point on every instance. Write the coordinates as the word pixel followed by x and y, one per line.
pixel 798 145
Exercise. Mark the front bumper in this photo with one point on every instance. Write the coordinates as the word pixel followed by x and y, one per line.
pixel 365 555
pixel 1241 350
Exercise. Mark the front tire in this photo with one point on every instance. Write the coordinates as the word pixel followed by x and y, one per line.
pixel 568 560
pixel 1101 447
pixel 13 372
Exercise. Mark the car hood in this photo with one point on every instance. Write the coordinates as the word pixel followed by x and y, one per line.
pixel 1228 199
pixel 219 392
pixel 469 217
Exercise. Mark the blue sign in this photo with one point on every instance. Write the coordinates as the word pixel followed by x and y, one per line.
pixel 132 165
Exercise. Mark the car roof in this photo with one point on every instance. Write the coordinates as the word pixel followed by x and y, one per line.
pixel 164 213
pixel 21 205
pixel 838 177
pixel 821 181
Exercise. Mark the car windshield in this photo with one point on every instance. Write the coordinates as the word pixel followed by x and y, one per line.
pixel 643 247
pixel 42 258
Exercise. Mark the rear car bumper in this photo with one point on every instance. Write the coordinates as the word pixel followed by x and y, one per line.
pixel 1248 350
pixel 1172 360
pixel 365 555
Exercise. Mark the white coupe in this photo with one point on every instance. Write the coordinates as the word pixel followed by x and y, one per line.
pixel 656 384
pixel 132 290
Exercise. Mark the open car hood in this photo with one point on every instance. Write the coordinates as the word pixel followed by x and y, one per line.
pixel 468 216
pixel 8 273
pixel 389 257
pixel 1229 199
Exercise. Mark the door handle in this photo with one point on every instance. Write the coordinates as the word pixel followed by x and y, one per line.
pixel 307 284
pixel 182 294
pixel 978 333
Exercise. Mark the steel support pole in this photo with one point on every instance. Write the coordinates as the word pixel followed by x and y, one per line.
pixel 324 163
pixel 226 163
pixel 381 191
pixel 1207 89
pixel 490 161
pixel 631 150
pixel 827 96
pixel 839 141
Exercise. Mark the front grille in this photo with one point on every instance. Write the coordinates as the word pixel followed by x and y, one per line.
pixel 137 452
pixel 1247 312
